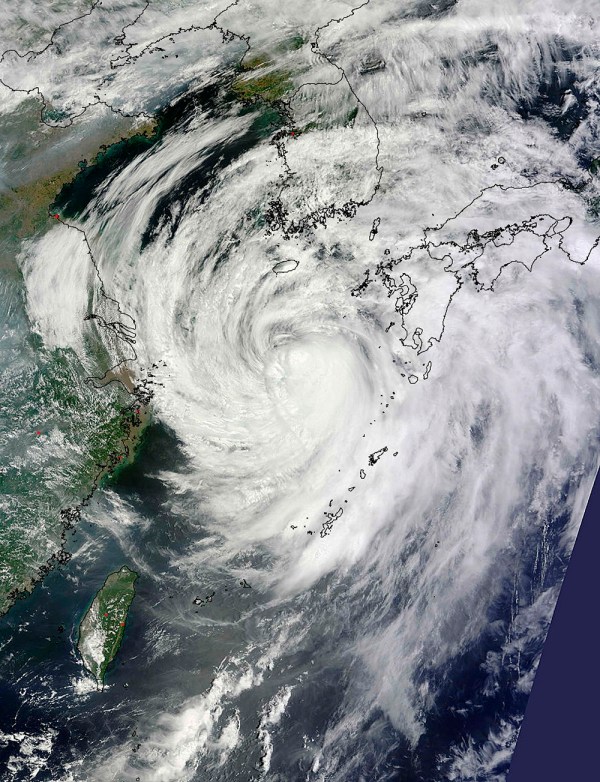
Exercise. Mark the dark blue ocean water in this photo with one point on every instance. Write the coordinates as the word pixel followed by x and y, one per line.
pixel 39 663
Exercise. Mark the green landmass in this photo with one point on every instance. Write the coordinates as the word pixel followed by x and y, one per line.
pixel 40 161
pixel 102 628
pixel 293 43
pixel 269 86
pixel 259 79
pixel 255 61
pixel 62 437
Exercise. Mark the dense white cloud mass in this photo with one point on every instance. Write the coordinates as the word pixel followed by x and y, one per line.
pixel 392 440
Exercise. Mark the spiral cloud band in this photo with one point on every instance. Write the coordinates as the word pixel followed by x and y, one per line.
pixel 364 294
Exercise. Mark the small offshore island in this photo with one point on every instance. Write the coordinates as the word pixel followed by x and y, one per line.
pixel 101 629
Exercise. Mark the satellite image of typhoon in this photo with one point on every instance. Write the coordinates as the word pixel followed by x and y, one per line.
pixel 300 381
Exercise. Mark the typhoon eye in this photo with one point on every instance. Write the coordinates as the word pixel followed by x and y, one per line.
pixel 300 382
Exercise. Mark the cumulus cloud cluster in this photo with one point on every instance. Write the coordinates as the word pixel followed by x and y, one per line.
pixel 389 469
